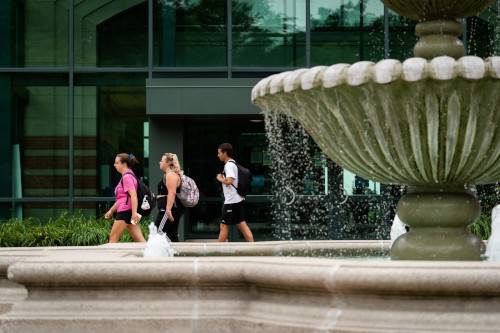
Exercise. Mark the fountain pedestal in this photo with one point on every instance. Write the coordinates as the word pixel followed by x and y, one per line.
pixel 439 37
pixel 438 220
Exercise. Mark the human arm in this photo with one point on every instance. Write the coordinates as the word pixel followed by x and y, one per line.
pixel 171 181
pixel 134 203
pixel 110 212
pixel 225 180
pixel 230 173
pixel 129 183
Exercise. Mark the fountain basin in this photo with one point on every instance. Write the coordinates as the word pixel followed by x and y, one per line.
pixel 238 294
pixel 420 123
pixel 437 9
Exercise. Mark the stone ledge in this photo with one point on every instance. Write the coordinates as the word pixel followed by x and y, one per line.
pixel 326 275
pixel 105 289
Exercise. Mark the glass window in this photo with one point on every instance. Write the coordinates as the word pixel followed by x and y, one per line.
pixel 346 31
pixel 34 33
pixel 8 148
pixel 43 211
pixel 111 33
pixel 363 217
pixel 5 211
pixel 36 142
pixel 190 33
pixel 483 33
pixel 202 137
pixel 269 33
pixel 402 37
pixel 356 185
pixel 96 209
pixel 109 119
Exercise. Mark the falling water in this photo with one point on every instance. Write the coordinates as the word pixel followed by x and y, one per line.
pixel 158 244
pixel 301 206
pixel 398 228
pixel 493 248
pixel 309 201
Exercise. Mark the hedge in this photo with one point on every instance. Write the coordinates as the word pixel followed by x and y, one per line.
pixel 64 230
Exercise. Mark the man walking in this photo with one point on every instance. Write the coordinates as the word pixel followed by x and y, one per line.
pixel 233 212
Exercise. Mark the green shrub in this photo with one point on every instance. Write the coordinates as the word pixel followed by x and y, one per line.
pixel 488 197
pixel 64 230
pixel 482 227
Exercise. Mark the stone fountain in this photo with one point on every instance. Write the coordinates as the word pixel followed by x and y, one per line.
pixel 430 122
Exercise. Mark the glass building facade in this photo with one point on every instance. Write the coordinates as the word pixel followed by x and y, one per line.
pixel 73 88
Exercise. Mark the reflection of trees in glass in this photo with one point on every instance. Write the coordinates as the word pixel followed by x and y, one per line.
pixel 345 15
pixel 261 26
pixel 353 30
pixel 198 15
pixel 258 16
pixel 351 14
pixel 255 23
pixel 402 37
pixel 191 33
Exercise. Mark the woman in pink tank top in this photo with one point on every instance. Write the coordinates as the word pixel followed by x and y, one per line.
pixel 126 203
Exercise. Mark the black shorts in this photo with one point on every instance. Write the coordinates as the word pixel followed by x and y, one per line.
pixel 126 216
pixel 233 213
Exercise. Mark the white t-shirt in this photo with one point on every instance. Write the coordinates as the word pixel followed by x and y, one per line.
pixel 230 194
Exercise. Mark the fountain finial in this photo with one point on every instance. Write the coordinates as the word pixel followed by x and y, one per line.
pixel 438 26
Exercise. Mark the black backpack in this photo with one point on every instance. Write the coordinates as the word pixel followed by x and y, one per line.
pixel 244 179
pixel 146 200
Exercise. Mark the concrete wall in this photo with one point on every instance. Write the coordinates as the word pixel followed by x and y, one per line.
pixel 166 135
pixel 200 96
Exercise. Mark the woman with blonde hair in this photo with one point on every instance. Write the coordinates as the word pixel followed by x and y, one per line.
pixel 126 202
pixel 170 208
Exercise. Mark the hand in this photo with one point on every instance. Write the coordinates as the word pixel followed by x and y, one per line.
pixel 220 177
pixel 108 215
pixel 135 218
pixel 170 216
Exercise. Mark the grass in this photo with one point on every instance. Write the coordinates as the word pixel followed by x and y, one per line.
pixel 64 230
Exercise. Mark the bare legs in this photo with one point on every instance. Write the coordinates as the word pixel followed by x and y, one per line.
pixel 224 232
pixel 119 227
pixel 242 227
pixel 135 231
pixel 245 231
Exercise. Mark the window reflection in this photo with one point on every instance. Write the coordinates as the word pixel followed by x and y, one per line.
pixel 38 142
pixel 356 185
pixel 346 31
pixel 109 119
pixel 111 33
pixel 33 33
pixel 269 33
pixel 402 37
pixel 190 33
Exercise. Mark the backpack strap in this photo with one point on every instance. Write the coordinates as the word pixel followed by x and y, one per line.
pixel 233 161
pixel 121 182
pixel 179 183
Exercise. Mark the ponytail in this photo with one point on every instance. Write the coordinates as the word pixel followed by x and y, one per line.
pixel 129 159
pixel 173 161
